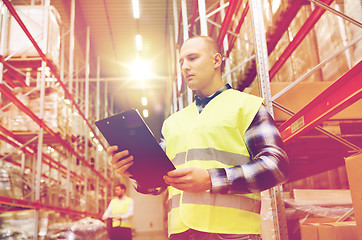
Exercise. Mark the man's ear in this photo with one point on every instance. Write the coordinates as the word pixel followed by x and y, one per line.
pixel 217 60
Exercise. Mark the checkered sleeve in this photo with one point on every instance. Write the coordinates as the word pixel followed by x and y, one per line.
pixel 268 165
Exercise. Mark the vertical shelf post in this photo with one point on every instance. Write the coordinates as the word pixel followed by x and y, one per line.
pixel 178 69
pixel 97 106
pixel 202 13
pixel 186 36
pixel 87 105
pixel 226 46
pixel 41 116
pixel 262 64
pixel 71 46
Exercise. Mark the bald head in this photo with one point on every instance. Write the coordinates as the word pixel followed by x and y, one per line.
pixel 211 46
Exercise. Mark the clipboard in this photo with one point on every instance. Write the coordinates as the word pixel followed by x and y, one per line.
pixel 129 131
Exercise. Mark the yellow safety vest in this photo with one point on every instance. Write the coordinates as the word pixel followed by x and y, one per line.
pixel 118 209
pixel 212 139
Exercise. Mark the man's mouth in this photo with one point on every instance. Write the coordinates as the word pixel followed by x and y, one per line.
pixel 189 77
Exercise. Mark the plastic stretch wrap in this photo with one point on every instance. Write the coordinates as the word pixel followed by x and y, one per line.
pixel 11 181
pixel 20 224
pixel 33 17
pixel 301 210
pixel 86 228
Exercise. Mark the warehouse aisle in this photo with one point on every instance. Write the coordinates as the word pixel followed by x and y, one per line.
pixel 150 236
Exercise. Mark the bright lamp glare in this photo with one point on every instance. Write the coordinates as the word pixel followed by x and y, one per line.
pixel 145 113
pixel 136 9
pixel 141 71
pixel 144 101
pixel 139 42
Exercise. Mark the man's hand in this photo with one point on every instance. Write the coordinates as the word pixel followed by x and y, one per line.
pixel 189 179
pixel 121 161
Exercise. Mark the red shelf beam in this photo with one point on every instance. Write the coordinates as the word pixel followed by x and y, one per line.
pixel 49 63
pixel 13 73
pixel 227 21
pixel 38 205
pixel 41 123
pixel 341 94
pixel 302 33
pixel 237 30
pixel 193 18
pixel 46 159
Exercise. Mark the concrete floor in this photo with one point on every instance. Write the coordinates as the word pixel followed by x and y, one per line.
pixel 150 236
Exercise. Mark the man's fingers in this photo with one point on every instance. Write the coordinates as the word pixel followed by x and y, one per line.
pixel 121 155
pixel 123 165
pixel 121 161
pixel 112 149
pixel 178 172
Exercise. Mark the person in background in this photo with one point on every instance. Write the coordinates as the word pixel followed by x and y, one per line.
pixel 226 149
pixel 120 211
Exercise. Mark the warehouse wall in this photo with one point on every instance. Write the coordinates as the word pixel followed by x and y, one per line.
pixel 148 211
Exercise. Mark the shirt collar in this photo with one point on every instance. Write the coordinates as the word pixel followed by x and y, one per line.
pixel 206 100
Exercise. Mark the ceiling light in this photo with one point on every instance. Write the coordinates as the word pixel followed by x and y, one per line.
pixel 136 9
pixel 145 113
pixel 141 70
pixel 139 42
pixel 144 101
pixel 100 148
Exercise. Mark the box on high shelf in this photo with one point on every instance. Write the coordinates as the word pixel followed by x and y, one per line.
pixel 354 166
pixel 33 17
pixel 20 121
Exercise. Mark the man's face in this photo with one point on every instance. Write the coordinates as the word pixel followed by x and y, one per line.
pixel 197 64
pixel 119 192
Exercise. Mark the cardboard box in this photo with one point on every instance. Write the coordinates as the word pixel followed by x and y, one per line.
pixel 354 173
pixel 327 229
pixel 338 231
pixel 323 196
pixel 300 95
pixel 309 227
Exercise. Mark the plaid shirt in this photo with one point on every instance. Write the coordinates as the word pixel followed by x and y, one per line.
pixel 268 165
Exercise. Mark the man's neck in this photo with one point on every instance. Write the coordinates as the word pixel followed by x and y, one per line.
pixel 210 91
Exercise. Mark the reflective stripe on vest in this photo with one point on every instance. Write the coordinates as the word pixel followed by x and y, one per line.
pixel 212 139
pixel 222 200
pixel 119 209
pixel 226 158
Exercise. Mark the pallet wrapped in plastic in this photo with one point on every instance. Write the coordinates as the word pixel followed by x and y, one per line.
pixel 86 228
pixel 33 17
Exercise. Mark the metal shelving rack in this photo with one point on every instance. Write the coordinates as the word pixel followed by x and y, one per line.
pixel 32 144
pixel 345 91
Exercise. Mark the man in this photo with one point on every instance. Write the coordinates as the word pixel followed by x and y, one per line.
pixel 120 210
pixel 226 149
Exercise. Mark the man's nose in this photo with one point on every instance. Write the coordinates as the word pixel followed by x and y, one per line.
pixel 185 66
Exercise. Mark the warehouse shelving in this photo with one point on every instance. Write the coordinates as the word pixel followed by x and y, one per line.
pixel 345 90
pixel 20 72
